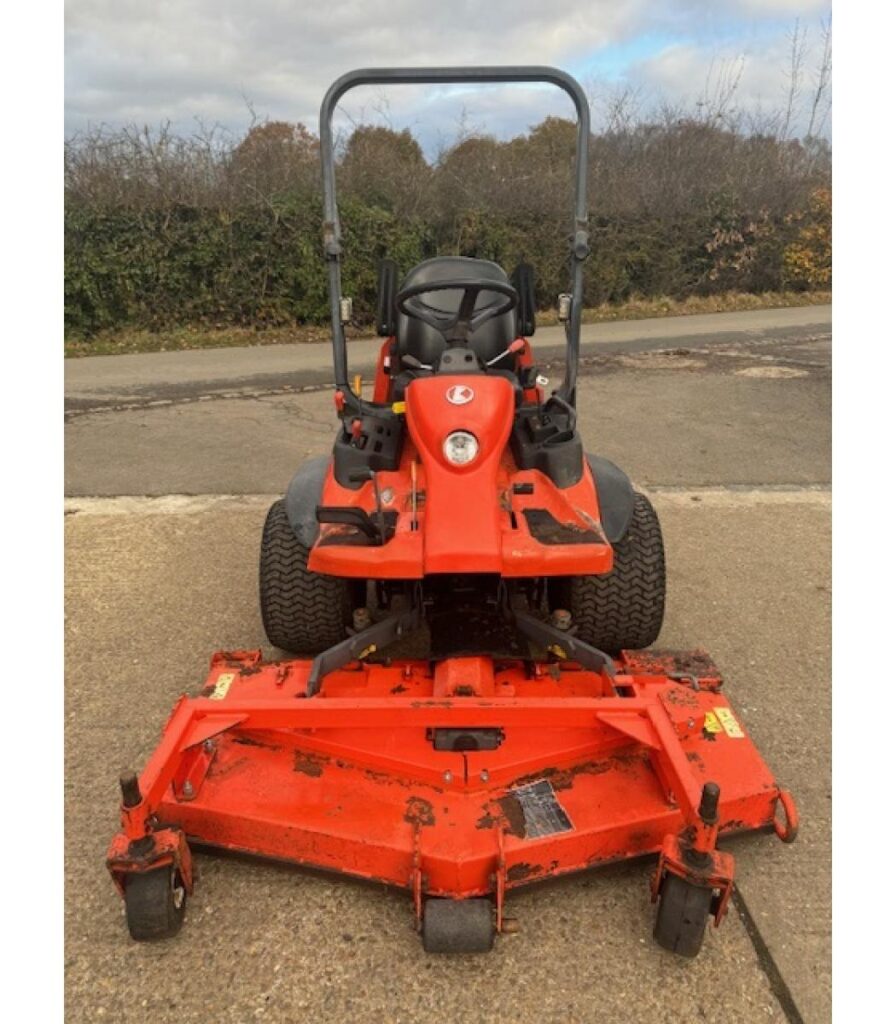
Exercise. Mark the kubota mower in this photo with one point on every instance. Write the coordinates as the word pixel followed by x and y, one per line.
pixel 537 736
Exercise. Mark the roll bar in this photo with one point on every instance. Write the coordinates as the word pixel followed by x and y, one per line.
pixel 415 76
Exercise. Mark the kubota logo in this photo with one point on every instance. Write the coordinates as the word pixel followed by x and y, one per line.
pixel 459 394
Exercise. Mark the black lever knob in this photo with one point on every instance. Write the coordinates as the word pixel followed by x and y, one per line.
pixel 709 804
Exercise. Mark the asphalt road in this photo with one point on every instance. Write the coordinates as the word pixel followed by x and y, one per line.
pixel 730 437
pixel 161 377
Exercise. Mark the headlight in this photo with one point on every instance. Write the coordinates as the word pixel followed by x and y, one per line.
pixel 460 447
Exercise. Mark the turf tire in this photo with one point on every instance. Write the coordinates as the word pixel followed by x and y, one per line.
pixel 624 608
pixel 303 612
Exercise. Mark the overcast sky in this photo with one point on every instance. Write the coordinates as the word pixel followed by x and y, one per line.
pixel 152 61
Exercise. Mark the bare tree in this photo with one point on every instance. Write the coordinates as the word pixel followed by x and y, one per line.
pixel 720 89
pixel 794 76
pixel 821 98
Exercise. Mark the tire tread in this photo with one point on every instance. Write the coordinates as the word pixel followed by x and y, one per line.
pixel 682 916
pixel 303 612
pixel 624 608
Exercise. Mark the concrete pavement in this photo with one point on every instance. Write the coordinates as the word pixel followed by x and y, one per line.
pixel 731 438
pixel 152 591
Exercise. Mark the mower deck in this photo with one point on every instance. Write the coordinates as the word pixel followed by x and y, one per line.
pixel 461 779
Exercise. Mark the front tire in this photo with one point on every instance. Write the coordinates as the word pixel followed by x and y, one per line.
pixel 681 916
pixel 303 612
pixel 624 608
pixel 155 903
pixel 458 926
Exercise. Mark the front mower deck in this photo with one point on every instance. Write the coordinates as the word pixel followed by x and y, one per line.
pixel 459 779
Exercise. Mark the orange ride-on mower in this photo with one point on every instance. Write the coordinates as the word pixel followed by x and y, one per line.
pixel 536 737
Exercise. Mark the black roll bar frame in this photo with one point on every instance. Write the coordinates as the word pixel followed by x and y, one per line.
pixel 454 75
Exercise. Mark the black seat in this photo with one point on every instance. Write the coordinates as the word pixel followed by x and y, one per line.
pixel 423 342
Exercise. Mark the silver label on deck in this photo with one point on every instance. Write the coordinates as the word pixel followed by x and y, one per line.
pixel 542 811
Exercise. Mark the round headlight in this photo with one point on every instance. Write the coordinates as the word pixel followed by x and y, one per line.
pixel 460 447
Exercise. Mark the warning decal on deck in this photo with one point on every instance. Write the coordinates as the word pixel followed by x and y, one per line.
pixel 541 809
pixel 711 723
pixel 223 684
pixel 729 723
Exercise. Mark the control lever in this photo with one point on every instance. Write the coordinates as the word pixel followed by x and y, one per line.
pixel 412 363
pixel 369 474
pixel 515 346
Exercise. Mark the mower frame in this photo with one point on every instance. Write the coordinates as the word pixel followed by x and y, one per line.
pixel 488 775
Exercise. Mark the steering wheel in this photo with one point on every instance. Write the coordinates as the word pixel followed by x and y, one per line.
pixel 457 329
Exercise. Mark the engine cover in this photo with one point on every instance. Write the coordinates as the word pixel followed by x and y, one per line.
pixel 462 501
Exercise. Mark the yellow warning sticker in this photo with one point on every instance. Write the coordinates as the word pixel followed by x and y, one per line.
pixel 729 723
pixel 398 408
pixel 223 684
pixel 711 723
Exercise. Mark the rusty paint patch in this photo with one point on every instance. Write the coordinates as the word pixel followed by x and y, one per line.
pixel 665 662
pixel 220 767
pixel 548 530
pixel 375 776
pixel 250 741
pixel 681 697
pixel 513 816
pixel 488 820
pixel 563 778
pixel 309 764
pixel 519 872
pixel 603 858
pixel 688 835
pixel 420 812
pixel 734 825
pixel 400 688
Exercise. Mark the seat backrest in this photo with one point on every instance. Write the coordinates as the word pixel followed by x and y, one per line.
pixel 423 342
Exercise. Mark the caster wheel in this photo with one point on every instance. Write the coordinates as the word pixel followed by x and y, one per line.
pixel 155 903
pixel 681 916
pixel 458 926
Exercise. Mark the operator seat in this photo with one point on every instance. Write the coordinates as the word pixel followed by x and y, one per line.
pixel 423 342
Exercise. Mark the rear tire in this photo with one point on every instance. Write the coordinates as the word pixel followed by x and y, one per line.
pixel 302 611
pixel 623 609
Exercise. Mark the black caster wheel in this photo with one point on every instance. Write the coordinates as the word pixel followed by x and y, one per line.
pixel 155 903
pixel 458 926
pixel 681 916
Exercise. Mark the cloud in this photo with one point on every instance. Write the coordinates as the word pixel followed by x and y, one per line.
pixel 758 69
pixel 144 61
pixel 778 8
pixel 149 61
